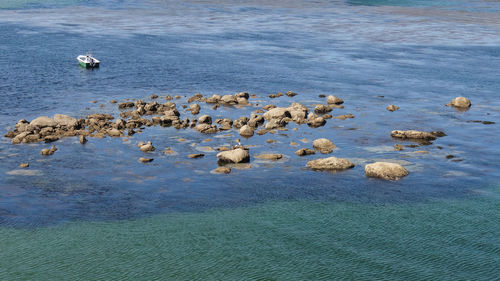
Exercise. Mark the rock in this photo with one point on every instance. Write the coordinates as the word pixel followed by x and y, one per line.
pixel 438 134
pixel 50 151
pixel 268 107
pixel 51 138
pixel 196 155
pixel 246 131
pixel 206 128
pixel 228 99
pixel 195 108
pixel 392 107
pixel 323 145
pixel 344 116
pixel 222 170
pixel 398 147
pixel 24 165
pixel 205 119
pixel 43 121
pixel 148 147
pixel 292 143
pixel 304 152
pixel 277 113
pixel 330 163
pixel 290 94
pixel 412 134
pixel 154 96
pixel 334 100
pixel 270 141
pixel 314 121
pixel 145 160
pixel 270 156
pixel 460 102
pixel 65 121
pixel 322 109
pixel 114 132
pixel 238 155
pixel 385 170
pixel 169 151
pixel 123 105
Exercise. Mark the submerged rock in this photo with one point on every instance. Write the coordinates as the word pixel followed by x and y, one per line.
pixel 24 165
pixel 270 156
pixel 385 170
pixel 196 155
pixel 330 163
pixel 145 160
pixel 412 134
pixel 238 155
pixel 48 151
pixel 398 147
pixel 460 102
pixel 323 145
pixel 222 170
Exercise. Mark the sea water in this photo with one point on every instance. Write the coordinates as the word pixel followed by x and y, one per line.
pixel 95 212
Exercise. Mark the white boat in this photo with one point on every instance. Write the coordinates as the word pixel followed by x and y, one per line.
pixel 88 61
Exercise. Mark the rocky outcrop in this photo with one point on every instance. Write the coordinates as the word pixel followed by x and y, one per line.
pixel 412 135
pixel 385 170
pixel 43 121
pixel 330 163
pixel 460 102
pixel 323 145
pixel 238 155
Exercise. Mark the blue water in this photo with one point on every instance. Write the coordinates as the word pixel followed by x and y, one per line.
pixel 415 54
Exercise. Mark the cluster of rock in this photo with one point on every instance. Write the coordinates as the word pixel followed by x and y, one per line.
pixel 134 117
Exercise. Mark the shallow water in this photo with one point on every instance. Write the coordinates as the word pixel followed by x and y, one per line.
pixel 417 55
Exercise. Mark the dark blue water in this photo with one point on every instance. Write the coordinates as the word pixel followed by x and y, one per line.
pixel 415 56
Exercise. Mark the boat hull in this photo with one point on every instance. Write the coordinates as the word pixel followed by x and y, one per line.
pixel 88 65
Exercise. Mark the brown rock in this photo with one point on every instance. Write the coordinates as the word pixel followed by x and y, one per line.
pixel 238 155
pixel 196 155
pixel 43 121
pixel 246 131
pixel 412 134
pixel 330 163
pixel 385 170
pixel 392 107
pixel 145 160
pixel 322 109
pixel 398 147
pixel 460 102
pixel 270 156
pixel 195 108
pixel 205 119
pixel 323 145
pixel 304 152
pixel 148 147
pixel 334 100
pixel 222 170
pixel 24 165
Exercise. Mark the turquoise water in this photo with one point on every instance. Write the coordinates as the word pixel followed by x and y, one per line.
pixel 94 212
pixel 299 240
